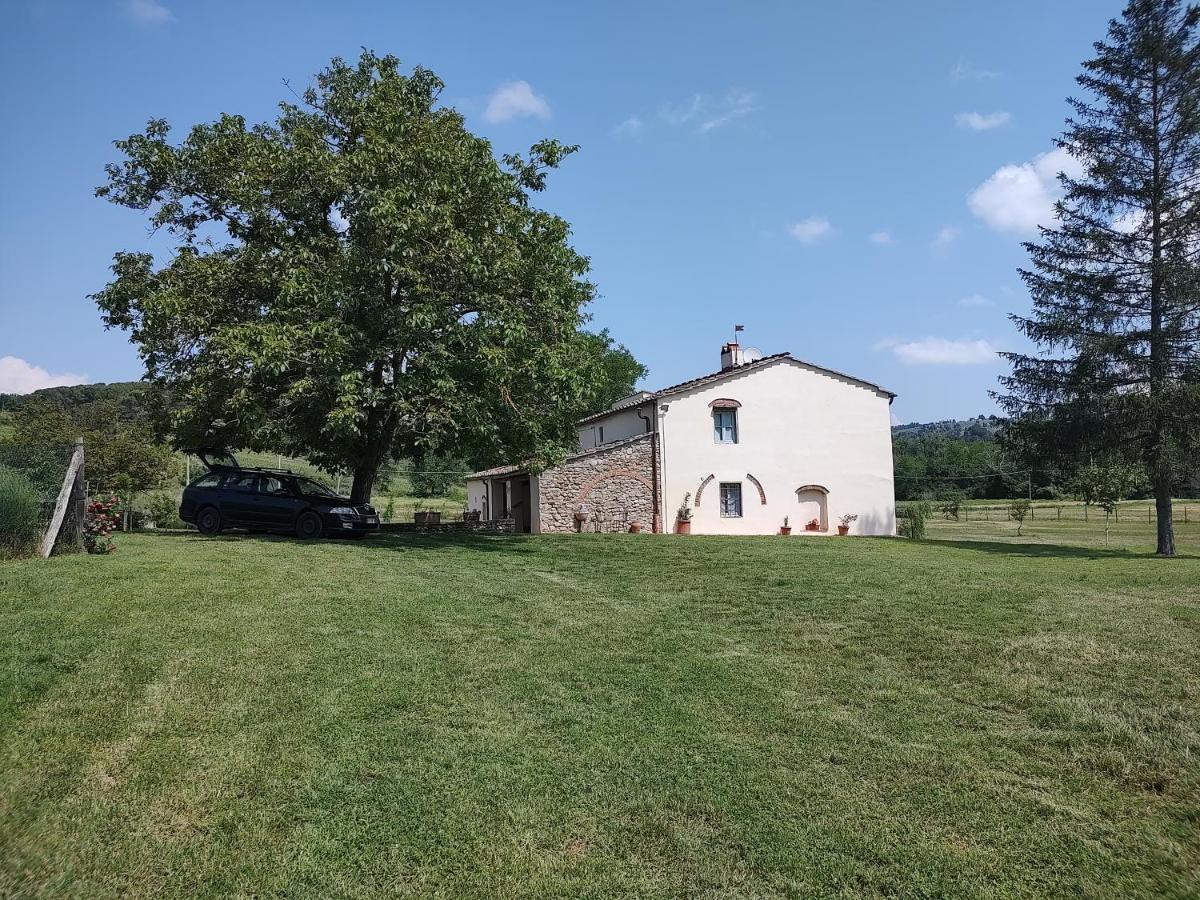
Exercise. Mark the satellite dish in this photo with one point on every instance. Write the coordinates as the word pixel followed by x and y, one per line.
pixel 752 354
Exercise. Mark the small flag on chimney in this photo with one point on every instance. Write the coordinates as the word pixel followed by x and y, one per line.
pixel 737 328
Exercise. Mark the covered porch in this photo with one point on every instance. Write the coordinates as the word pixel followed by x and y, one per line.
pixel 505 492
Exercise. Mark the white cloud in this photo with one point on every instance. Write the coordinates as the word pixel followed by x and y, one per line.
pixel 631 126
pixel 964 71
pixel 707 113
pixel 1018 198
pixel 935 351
pixel 981 122
pixel 881 237
pixel 946 236
pixel 975 300
pixel 148 12
pixel 514 100
pixel 20 377
pixel 810 229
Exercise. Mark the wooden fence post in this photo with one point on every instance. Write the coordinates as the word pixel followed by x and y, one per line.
pixel 74 472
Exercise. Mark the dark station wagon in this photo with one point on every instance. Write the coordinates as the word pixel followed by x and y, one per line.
pixel 277 500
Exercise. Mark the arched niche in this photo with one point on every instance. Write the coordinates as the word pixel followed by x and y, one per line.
pixel 812 503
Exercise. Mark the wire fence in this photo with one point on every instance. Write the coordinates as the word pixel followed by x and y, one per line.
pixel 31 476
pixel 1128 512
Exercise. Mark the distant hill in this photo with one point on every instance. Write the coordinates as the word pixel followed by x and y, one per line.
pixel 73 395
pixel 981 428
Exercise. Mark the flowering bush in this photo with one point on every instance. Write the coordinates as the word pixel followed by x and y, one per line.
pixel 99 524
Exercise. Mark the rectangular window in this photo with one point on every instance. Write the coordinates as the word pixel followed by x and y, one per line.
pixel 725 426
pixel 731 500
pixel 601 434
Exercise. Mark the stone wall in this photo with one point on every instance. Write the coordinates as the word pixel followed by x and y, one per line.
pixel 610 485
pixel 455 526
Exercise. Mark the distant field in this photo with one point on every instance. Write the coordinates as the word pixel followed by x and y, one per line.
pixel 599 715
pixel 1070 523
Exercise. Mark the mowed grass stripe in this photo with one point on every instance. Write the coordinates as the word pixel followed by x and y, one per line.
pixel 601 715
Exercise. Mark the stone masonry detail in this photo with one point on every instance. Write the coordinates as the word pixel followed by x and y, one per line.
pixel 610 485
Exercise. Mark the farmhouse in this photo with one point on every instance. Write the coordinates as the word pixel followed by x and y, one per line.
pixel 763 439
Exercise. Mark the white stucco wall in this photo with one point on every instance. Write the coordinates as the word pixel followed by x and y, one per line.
pixel 618 426
pixel 476 492
pixel 796 426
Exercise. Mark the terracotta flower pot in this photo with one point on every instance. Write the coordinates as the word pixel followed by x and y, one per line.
pixel 785 529
pixel 683 526
pixel 843 530
pixel 812 527
pixel 635 528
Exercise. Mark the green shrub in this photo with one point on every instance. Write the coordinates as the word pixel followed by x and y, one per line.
pixel 910 522
pixel 20 513
pixel 162 509
pixel 951 506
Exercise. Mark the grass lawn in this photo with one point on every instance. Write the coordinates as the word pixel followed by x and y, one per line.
pixel 600 716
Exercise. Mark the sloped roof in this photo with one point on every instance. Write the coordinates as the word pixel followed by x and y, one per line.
pixel 498 471
pixel 637 400
pixel 502 471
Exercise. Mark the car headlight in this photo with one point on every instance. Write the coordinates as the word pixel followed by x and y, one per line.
pixel 342 511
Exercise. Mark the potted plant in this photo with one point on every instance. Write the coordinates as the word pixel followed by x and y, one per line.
pixel 844 528
pixel 683 518
pixel 812 525
pixel 785 528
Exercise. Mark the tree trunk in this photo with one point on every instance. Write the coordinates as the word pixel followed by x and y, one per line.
pixel 1160 464
pixel 364 482
pixel 1162 506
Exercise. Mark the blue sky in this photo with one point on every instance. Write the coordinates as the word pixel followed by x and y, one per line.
pixel 851 181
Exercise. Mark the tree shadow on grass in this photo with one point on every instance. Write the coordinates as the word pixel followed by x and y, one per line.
pixel 1056 551
pixel 421 542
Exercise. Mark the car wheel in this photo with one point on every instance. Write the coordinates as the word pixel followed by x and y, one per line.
pixel 309 526
pixel 208 521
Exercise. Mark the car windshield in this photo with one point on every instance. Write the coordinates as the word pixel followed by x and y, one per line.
pixel 309 486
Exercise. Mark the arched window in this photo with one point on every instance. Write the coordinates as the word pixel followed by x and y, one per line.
pixel 725 423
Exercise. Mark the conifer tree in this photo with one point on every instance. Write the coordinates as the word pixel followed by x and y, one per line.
pixel 1114 282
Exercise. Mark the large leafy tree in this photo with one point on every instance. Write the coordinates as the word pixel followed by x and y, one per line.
pixel 357 280
pixel 612 371
pixel 1114 284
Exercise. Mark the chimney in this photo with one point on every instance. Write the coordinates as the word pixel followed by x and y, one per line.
pixel 731 356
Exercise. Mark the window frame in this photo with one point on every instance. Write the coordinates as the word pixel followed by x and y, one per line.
pixel 721 502
pixel 718 414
